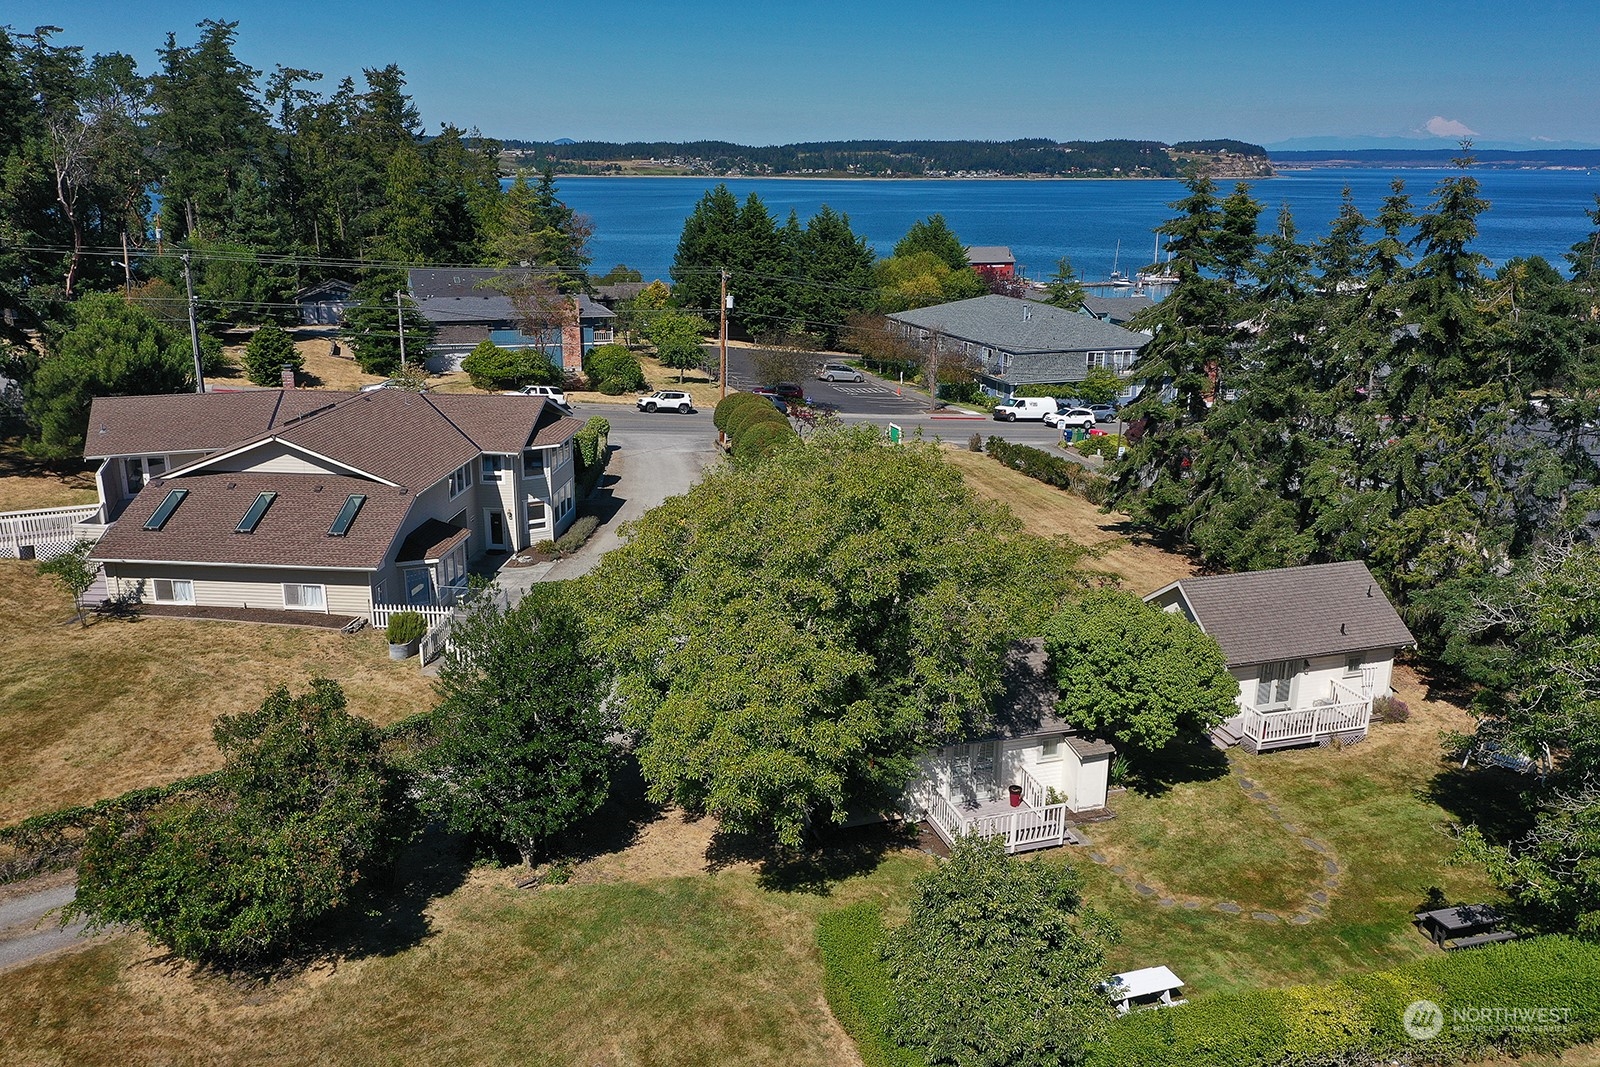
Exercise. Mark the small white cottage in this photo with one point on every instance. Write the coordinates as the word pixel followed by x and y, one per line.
pixel 1024 781
pixel 1311 648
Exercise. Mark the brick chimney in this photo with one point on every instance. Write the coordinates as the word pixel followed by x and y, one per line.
pixel 287 373
pixel 572 339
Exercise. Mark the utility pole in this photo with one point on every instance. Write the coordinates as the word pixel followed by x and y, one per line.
pixel 194 330
pixel 933 372
pixel 400 321
pixel 722 334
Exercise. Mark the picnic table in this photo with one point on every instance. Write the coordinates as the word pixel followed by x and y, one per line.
pixel 1465 926
pixel 1148 987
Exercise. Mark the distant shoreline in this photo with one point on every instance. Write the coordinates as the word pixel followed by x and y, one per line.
pixel 902 177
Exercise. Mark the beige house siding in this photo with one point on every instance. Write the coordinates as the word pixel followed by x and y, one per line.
pixel 111 477
pixel 345 592
pixel 271 457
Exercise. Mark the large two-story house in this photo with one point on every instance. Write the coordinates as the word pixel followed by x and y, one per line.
pixel 469 305
pixel 321 501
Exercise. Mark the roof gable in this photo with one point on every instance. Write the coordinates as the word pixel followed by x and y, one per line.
pixel 1293 612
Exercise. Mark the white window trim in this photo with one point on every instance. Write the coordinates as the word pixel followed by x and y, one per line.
pixel 1047 756
pixel 173 583
pixel 322 594
pixel 461 481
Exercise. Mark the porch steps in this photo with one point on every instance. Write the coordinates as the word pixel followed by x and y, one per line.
pixel 1225 737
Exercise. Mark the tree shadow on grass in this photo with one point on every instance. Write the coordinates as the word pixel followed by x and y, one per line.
pixel 617 824
pixel 1187 759
pixel 834 855
pixel 1490 798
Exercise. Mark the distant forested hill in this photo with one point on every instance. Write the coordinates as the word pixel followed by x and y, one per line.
pixel 1578 158
pixel 1028 156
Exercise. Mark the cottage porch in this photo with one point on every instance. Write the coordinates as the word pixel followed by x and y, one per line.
pixel 1343 714
pixel 1033 824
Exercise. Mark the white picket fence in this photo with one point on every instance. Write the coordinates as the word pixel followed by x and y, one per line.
pixel 48 531
pixel 432 613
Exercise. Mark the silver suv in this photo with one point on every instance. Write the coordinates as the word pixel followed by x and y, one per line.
pixel 838 372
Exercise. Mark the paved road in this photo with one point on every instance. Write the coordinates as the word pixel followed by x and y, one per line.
pixel 29 927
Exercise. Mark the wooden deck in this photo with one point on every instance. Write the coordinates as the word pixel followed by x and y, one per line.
pixel 1024 828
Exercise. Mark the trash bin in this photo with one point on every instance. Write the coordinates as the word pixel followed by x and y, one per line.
pixel 1016 796
pixel 1079 435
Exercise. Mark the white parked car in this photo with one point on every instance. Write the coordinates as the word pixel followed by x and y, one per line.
pixel 1072 418
pixel 667 400
pixel 839 372
pixel 553 393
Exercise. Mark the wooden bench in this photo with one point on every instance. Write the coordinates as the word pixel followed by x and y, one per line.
pixel 1478 941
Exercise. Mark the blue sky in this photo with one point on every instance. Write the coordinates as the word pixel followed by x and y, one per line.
pixel 775 72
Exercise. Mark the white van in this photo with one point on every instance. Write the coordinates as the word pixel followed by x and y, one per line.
pixel 1024 407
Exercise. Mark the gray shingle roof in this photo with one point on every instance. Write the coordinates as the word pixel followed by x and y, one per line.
pixel 1116 309
pixel 990 254
pixel 1294 612
pixel 469 295
pixel 1027 705
pixel 1021 327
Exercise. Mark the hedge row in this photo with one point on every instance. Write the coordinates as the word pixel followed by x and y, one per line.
pixel 754 424
pixel 1362 1019
pixel 856 983
pixel 1052 470
pixel 590 444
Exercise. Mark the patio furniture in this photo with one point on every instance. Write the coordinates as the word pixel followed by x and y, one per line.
pixel 1148 987
pixel 1466 926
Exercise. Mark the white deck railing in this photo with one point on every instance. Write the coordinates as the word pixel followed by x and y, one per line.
pixel 48 531
pixel 1023 828
pixel 1342 716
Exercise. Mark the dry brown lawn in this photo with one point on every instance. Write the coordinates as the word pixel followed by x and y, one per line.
pixel 327 371
pixel 1048 511
pixel 25 492
pixel 87 713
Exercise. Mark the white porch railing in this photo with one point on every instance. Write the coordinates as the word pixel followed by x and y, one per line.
pixel 48 531
pixel 1023 828
pixel 1033 793
pixel 1346 713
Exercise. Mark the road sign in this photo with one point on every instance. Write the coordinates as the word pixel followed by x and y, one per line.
pixel 895 433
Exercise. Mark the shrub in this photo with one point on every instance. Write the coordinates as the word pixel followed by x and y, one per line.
pixel 743 418
pixel 731 403
pixel 1391 709
pixel 545 548
pixel 267 353
pixel 1039 464
pixel 590 442
pixel 492 367
pixel 614 365
pixel 1105 444
pixel 762 439
pixel 856 983
pixel 580 531
pixel 975 442
pixel 405 627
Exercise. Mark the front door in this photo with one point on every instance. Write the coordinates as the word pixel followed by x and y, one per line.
pixel 494 529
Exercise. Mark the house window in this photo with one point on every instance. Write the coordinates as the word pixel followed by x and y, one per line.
pixel 1272 684
pixel 418 585
pixel 460 481
pixel 533 461
pixel 305 597
pixel 1353 664
pixel 1050 751
pixel 536 514
pixel 173 591
pixel 492 466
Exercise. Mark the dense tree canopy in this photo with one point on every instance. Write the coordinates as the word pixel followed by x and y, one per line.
pixel 1137 674
pixel 998 965
pixel 787 636
pixel 303 810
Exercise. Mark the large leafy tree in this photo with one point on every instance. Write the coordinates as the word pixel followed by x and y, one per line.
pixel 1135 673
pixel 379 307
pixel 677 337
pixel 520 748
pixel 305 808
pixel 934 235
pixel 838 275
pixel 112 348
pixel 999 964
pixel 788 636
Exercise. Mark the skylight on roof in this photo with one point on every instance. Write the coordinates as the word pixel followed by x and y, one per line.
pixel 347 515
pixel 252 518
pixel 164 512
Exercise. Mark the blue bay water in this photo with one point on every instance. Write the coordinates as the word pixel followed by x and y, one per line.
pixel 637 220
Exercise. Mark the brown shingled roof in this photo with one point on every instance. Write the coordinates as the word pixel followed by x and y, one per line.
pixel 495 423
pixel 194 422
pixel 1294 612
pixel 292 533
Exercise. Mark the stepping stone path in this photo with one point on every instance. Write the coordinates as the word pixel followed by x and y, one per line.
pixel 1316 898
